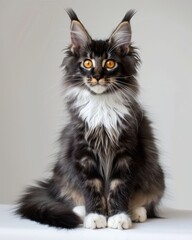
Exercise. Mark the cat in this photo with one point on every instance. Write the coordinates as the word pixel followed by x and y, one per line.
pixel 108 159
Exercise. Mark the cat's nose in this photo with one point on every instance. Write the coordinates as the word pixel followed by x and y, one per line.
pixel 97 77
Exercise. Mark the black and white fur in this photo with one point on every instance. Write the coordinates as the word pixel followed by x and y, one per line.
pixel 108 159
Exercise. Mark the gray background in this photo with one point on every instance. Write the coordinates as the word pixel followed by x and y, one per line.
pixel 32 36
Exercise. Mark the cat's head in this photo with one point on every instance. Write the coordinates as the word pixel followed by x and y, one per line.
pixel 101 66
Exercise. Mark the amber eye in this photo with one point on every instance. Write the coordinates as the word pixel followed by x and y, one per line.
pixel 110 64
pixel 88 63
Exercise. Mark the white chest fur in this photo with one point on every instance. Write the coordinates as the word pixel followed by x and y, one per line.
pixel 101 110
pixel 98 111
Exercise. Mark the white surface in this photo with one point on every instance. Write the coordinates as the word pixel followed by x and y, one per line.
pixel 33 34
pixel 177 225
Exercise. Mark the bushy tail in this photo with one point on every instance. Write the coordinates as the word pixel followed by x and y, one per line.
pixel 36 204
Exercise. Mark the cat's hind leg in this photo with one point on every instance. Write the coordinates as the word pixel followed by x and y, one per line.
pixel 139 214
pixel 142 206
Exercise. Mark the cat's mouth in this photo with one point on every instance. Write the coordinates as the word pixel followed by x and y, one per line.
pixel 97 86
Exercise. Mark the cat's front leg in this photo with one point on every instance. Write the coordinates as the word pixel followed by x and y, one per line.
pixel 121 185
pixel 95 204
pixel 92 185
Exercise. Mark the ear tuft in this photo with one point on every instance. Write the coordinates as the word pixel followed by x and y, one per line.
pixel 121 38
pixel 128 16
pixel 79 36
pixel 72 14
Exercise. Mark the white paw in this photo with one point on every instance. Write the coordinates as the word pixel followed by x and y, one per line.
pixel 120 221
pixel 94 220
pixel 139 214
pixel 80 211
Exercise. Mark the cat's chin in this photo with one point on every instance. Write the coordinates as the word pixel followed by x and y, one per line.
pixel 98 89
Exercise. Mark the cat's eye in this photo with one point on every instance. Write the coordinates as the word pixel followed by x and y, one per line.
pixel 88 63
pixel 110 64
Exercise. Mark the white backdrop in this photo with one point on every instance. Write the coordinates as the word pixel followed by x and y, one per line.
pixel 32 36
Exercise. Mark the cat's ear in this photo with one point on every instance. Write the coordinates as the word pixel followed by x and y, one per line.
pixel 79 36
pixel 120 39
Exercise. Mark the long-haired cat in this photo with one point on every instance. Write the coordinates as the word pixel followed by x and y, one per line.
pixel 108 159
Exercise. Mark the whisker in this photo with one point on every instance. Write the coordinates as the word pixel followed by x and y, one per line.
pixel 123 76
pixel 127 93
pixel 73 79
pixel 129 105
pixel 126 84
pixel 74 85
